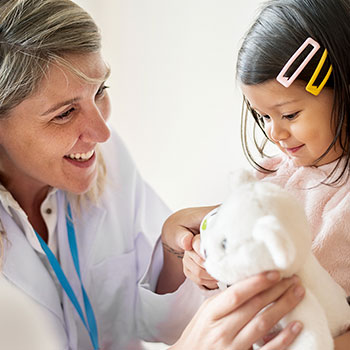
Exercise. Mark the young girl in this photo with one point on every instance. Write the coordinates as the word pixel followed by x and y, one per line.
pixel 294 71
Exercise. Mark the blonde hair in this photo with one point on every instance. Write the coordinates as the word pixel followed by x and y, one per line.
pixel 35 34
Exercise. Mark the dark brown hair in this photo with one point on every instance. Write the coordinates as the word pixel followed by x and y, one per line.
pixel 280 29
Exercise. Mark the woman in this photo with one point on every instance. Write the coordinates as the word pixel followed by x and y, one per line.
pixel 78 222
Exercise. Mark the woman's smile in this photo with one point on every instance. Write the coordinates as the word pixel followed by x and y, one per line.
pixel 82 156
pixel 82 160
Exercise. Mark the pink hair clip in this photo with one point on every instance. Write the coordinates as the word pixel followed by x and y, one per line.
pixel 285 81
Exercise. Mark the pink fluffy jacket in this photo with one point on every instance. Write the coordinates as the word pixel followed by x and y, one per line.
pixel 327 209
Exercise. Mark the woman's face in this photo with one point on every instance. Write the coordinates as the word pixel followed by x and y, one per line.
pixel 50 138
pixel 298 122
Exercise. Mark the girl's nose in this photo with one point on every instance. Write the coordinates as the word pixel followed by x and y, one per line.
pixel 95 129
pixel 277 131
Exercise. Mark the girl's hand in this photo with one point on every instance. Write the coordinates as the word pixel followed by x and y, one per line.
pixel 177 234
pixel 180 228
pixel 193 266
pixel 235 319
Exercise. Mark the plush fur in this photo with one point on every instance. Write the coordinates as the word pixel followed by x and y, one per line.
pixel 261 227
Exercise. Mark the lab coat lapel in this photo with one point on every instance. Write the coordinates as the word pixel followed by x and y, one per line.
pixel 88 229
pixel 23 267
pixel 86 226
pixel 67 265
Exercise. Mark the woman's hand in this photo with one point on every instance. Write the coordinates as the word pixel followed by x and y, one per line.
pixel 235 319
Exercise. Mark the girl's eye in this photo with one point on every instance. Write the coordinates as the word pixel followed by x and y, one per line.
pixel 64 116
pixel 260 118
pixel 100 91
pixel 290 116
pixel 263 118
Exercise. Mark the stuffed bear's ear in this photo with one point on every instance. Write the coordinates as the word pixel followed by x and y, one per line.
pixel 275 237
pixel 240 177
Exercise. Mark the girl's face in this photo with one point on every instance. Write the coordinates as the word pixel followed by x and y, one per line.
pixel 50 138
pixel 298 122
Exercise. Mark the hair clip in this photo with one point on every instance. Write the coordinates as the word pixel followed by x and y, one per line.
pixel 315 90
pixel 285 81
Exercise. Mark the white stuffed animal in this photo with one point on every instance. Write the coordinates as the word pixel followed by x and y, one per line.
pixel 262 227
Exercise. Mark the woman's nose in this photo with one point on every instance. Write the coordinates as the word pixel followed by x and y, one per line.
pixel 277 131
pixel 94 128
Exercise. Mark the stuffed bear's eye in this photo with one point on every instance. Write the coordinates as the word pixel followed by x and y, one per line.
pixel 205 253
pixel 223 243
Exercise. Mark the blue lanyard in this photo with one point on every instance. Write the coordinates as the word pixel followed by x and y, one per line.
pixel 90 321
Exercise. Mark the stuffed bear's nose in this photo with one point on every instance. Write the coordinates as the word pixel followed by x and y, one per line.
pixel 223 243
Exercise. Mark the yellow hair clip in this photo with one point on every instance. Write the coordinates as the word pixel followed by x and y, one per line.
pixel 315 90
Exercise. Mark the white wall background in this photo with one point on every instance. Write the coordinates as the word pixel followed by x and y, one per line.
pixel 174 97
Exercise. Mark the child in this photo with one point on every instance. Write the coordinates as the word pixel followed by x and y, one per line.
pixel 294 71
pixel 307 119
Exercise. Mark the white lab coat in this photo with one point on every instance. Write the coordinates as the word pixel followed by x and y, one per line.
pixel 115 240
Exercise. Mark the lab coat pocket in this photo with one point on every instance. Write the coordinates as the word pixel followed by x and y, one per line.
pixel 114 294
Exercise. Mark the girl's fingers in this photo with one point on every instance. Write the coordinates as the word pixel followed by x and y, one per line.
pixel 284 300
pixel 209 285
pixel 193 267
pixel 196 245
pixel 285 337
pixel 195 257
pixel 195 272
pixel 180 227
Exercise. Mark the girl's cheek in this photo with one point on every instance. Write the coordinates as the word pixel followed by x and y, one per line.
pixel 268 132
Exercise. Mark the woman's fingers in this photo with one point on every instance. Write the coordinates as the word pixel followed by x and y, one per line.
pixel 238 316
pixel 236 295
pixel 283 298
pixel 285 337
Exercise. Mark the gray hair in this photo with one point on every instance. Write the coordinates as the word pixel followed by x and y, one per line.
pixel 33 34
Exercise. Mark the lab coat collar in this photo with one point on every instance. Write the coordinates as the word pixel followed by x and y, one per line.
pixel 7 200
pixel 23 267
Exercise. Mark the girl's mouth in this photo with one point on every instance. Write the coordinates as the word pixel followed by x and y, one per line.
pixel 294 149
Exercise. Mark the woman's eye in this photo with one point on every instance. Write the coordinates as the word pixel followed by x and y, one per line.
pixel 64 116
pixel 100 91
